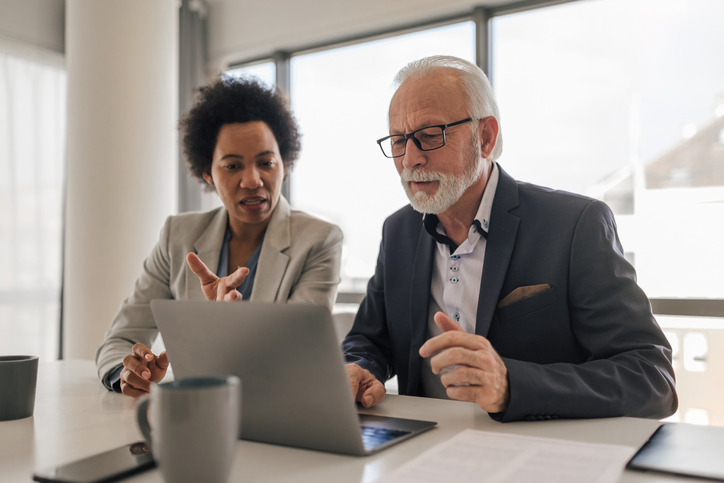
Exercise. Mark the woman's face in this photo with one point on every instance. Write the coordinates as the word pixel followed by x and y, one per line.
pixel 247 172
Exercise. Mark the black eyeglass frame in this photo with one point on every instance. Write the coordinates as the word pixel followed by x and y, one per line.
pixel 411 135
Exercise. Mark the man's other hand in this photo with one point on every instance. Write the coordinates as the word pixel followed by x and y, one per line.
pixel 140 369
pixel 215 288
pixel 477 373
pixel 366 389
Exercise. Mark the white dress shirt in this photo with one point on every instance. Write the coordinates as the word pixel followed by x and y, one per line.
pixel 456 276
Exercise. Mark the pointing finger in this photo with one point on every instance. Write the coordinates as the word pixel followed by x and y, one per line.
pixel 200 269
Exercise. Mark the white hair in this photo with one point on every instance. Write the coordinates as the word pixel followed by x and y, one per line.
pixel 474 82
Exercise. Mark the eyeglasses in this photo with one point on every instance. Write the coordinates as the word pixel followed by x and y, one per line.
pixel 426 139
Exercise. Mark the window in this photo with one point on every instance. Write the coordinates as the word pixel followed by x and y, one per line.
pixel 32 156
pixel 266 72
pixel 340 97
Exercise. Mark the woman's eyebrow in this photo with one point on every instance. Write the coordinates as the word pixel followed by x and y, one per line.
pixel 235 156
pixel 264 153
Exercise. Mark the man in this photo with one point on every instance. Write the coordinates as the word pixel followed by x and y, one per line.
pixel 495 291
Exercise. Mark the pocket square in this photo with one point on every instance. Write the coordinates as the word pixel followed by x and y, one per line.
pixel 522 293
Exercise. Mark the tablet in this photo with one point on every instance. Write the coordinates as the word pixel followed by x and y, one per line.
pixel 684 450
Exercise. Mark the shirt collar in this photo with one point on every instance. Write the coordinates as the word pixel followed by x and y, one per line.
pixel 482 217
pixel 486 204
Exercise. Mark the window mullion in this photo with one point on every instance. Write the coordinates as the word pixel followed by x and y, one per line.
pixel 282 61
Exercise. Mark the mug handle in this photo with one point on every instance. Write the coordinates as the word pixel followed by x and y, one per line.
pixel 142 418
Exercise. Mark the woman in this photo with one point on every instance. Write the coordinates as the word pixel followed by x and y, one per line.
pixel 242 141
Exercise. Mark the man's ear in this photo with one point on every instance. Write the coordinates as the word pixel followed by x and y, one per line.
pixel 488 134
pixel 208 179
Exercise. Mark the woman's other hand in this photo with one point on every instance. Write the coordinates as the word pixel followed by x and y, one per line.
pixel 140 369
pixel 215 288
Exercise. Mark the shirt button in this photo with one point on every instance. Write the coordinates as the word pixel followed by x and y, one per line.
pixel 454 269
pixel 455 257
pixel 457 316
pixel 454 280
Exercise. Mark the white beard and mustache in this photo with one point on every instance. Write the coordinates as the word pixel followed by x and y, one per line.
pixel 450 187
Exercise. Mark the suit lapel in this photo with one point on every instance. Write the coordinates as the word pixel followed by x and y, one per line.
pixel 272 261
pixel 419 305
pixel 208 249
pixel 499 249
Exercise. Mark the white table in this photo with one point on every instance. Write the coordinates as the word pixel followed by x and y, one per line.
pixel 76 417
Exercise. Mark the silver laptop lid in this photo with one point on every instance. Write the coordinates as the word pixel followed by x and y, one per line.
pixel 295 389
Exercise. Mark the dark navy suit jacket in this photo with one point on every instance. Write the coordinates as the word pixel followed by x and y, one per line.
pixel 587 347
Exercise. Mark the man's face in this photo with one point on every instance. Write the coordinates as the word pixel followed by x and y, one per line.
pixel 435 180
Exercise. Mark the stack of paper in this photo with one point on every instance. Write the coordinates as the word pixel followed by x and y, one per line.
pixel 481 456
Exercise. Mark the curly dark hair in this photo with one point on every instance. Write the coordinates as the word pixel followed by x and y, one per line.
pixel 229 100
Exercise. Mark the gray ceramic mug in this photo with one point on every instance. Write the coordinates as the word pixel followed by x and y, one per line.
pixel 18 378
pixel 194 427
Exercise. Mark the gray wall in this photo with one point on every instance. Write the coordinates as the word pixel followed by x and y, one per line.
pixel 40 23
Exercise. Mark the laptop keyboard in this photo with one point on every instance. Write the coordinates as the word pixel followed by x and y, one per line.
pixel 374 437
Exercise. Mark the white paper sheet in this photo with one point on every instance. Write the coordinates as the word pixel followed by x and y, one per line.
pixel 481 456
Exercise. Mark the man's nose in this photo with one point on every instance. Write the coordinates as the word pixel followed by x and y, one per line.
pixel 413 155
pixel 250 179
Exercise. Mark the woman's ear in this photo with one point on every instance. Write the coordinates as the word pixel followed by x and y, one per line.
pixel 208 179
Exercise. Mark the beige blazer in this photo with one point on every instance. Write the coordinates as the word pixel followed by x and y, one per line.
pixel 299 263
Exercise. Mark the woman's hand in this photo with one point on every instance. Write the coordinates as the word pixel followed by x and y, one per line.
pixel 140 369
pixel 215 288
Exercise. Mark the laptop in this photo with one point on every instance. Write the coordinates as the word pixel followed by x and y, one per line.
pixel 684 450
pixel 295 390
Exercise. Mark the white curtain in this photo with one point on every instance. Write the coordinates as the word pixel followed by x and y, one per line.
pixel 33 87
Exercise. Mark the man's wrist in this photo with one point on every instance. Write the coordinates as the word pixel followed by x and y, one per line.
pixel 503 405
pixel 506 401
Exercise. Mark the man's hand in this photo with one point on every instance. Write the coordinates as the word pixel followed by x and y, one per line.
pixel 479 374
pixel 215 288
pixel 140 369
pixel 366 389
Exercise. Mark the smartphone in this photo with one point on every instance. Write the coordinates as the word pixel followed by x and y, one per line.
pixel 104 467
